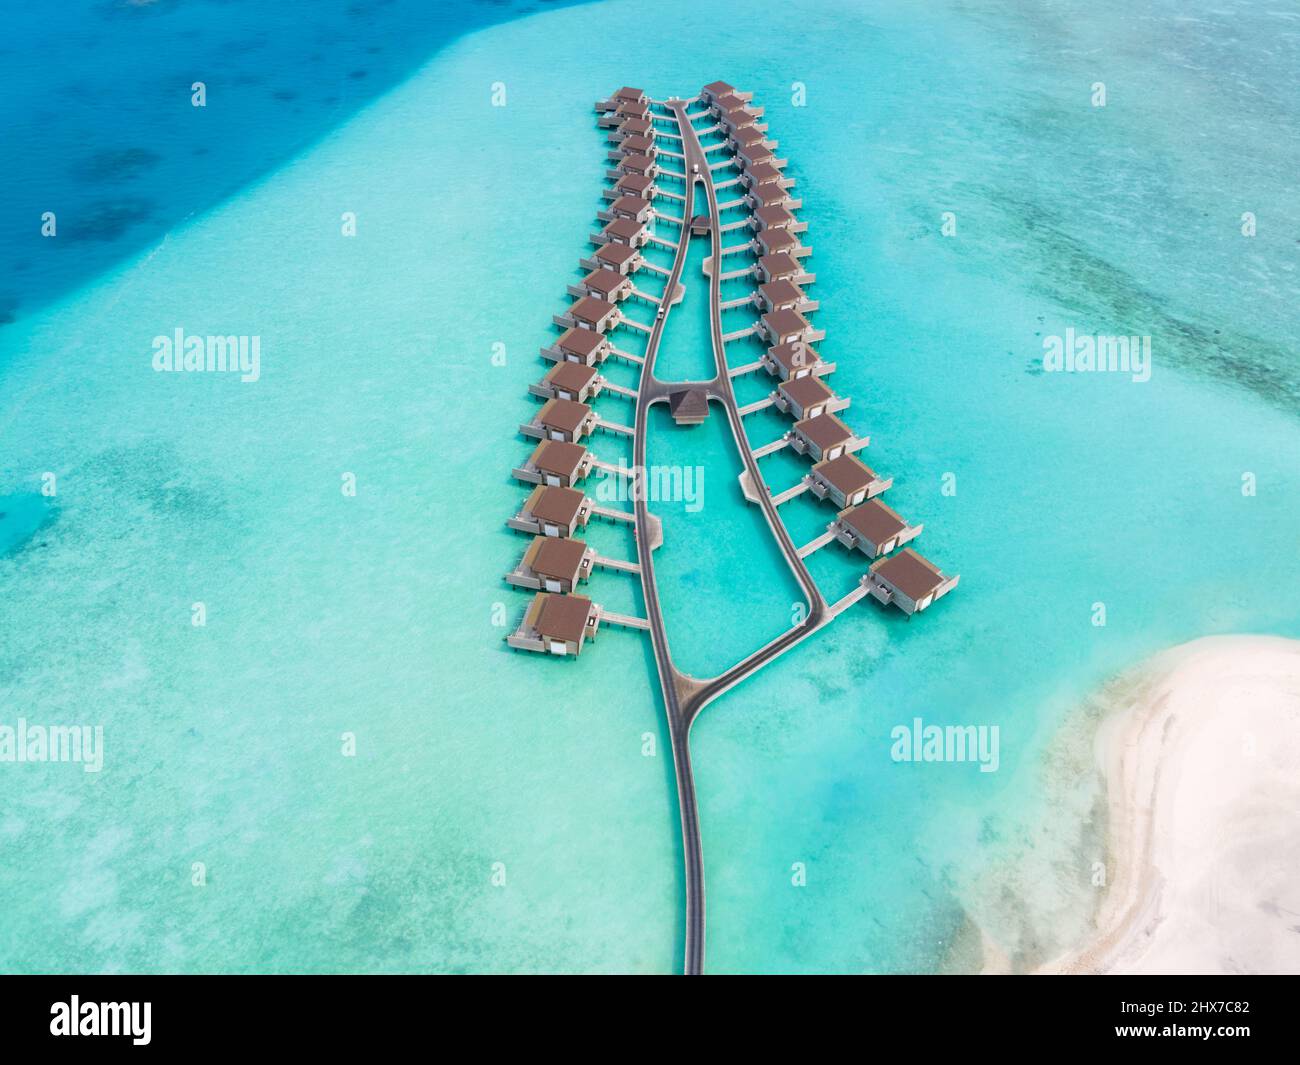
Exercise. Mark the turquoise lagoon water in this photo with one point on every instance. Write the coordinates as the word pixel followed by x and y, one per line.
pixel 380 615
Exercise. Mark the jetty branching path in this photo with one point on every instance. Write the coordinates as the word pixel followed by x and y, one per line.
pixel 558 623
pixel 686 696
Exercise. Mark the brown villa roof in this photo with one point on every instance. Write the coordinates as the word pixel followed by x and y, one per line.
pixel 563 617
pixel 848 473
pixel 626 228
pixel 909 573
pixel 636 145
pixel 604 281
pixel 558 456
pixel 590 309
pixel 771 195
pixel 566 415
pixel 780 264
pixel 579 341
pixel 774 216
pixel 559 505
pixel 556 556
pixel 794 356
pixel 781 291
pixel 764 172
pixel 630 204
pixel 874 520
pixel 784 322
pixel 774 240
pixel 824 431
pixel 806 391
pixel 574 376
pixel 634 183
pixel 637 163
pixel 615 254
pixel 717 88
pixel 755 154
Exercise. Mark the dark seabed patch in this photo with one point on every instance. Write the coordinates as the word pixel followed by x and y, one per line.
pixel 116 164
pixel 22 516
pixel 105 221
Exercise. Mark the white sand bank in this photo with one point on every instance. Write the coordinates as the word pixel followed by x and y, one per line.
pixel 1201 755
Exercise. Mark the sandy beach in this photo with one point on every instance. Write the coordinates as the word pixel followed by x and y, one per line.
pixel 1201 756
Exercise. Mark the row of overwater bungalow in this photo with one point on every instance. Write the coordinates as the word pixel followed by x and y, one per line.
pixel 559 621
pixel 864 522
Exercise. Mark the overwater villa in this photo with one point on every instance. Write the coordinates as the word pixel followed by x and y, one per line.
pixel 552 511
pixel 782 295
pixel 776 217
pixel 689 406
pixel 627 95
pixel 787 327
pixel 607 285
pixel 594 314
pixel 569 380
pixel 555 463
pixel 747 138
pixel 617 257
pixel 779 266
pixel 761 173
pixel 642 165
pixel 872 528
pixel 908 581
pixel 791 361
pixel 636 185
pixel 636 127
pixel 728 101
pixel 770 241
pixel 635 144
pixel 741 116
pixel 772 195
pixel 752 155
pixel 714 89
pixel 847 481
pixel 807 397
pixel 561 419
pixel 556 624
pixel 626 231
pixel 553 564
pixel 577 344
pixel 824 437
pixel 633 208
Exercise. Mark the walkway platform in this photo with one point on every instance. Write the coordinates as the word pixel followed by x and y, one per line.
pixel 615 563
pixel 608 617
pixel 609 514
pixel 816 545
pixel 788 494
pixel 756 406
pixel 613 427
pixel 772 448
